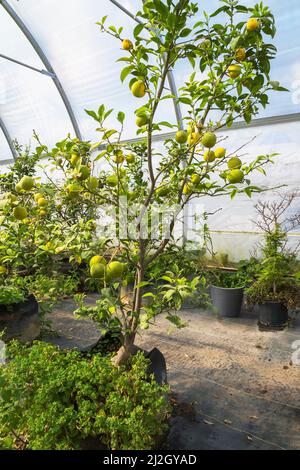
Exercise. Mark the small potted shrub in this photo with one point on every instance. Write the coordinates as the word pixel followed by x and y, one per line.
pixel 19 316
pixel 276 288
pixel 227 292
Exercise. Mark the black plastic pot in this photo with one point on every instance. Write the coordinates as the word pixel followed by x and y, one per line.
pixel 272 316
pixel 227 301
pixel 20 321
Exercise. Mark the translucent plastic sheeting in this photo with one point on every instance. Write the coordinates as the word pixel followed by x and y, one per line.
pixel 285 68
pixel 85 59
pixel 5 153
pixel 28 99
pixel 232 218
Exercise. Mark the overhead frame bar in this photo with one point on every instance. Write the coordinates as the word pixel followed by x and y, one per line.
pixel 8 139
pixel 46 63
pixel 171 78
pixel 15 61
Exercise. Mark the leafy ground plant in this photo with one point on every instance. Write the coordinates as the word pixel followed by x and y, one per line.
pixel 51 400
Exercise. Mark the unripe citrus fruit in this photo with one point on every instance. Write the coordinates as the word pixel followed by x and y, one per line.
pixel 234 71
pixel 234 163
pixel 84 172
pixel 97 271
pixel 142 120
pixel 20 213
pixel 18 187
pixel 38 196
pixel 130 158
pixel 98 259
pixel 112 180
pixel 138 89
pixel 235 176
pixel 27 183
pixel 92 183
pixel 209 140
pixel 220 152
pixel 240 54
pixel 42 202
pixel 181 137
pixel 115 269
pixel 187 189
pixel 209 156
pixel 127 45
pixel 73 188
pixel 42 213
pixel 195 178
pixel 253 24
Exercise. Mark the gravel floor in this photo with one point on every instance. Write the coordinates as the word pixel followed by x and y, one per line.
pixel 242 384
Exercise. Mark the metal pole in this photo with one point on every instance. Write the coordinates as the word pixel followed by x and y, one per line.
pixel 15 61
pixel 46 63
pixel 8 138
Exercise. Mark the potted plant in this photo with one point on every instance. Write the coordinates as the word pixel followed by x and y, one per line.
pixel 237 84
pixel 227 292
pixel 276 289
pixel 19 314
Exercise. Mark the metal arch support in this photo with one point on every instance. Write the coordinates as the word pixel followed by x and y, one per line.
pixel 171 78
pixel 8 139
pixel 46 63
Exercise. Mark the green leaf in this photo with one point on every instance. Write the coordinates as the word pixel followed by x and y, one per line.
pixel 121 117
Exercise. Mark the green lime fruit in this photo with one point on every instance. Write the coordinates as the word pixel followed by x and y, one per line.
pixel 142 121
pixel 26 183
pixel 42 202
pixel 97 271
pixel 195 178
pixel 234 71
pixel 181 137
pixel 234 163
pixel 98 259
pixel 187 189
pixel 130 158
pixel 220 152
pixel 209 156
pixel 115 270
pixel 112 180
pixel 209 140
pixel 138 89
pixel 20 213
pixel 235 176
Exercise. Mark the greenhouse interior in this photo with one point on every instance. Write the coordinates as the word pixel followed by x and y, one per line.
pixel 150 226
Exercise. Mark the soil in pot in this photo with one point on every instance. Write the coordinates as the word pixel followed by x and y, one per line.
pixel 21 321
pixel 227 301
pixel 272 316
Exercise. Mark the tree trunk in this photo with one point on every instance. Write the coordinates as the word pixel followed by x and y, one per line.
pixel 128 348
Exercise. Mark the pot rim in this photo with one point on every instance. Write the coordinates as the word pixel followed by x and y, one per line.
pixel 228 288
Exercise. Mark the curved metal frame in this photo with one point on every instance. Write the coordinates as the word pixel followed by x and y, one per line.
pixel 8 139
pixel 46 63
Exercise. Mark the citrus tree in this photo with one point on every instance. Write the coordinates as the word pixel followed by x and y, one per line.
pixel 229 54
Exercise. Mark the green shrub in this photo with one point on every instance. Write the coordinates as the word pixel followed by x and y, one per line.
pixel 10 295
pixel 52 400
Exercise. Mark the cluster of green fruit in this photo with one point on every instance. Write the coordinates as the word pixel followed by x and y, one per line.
pixel 99 269
pixel 235 70
pixel 26 184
